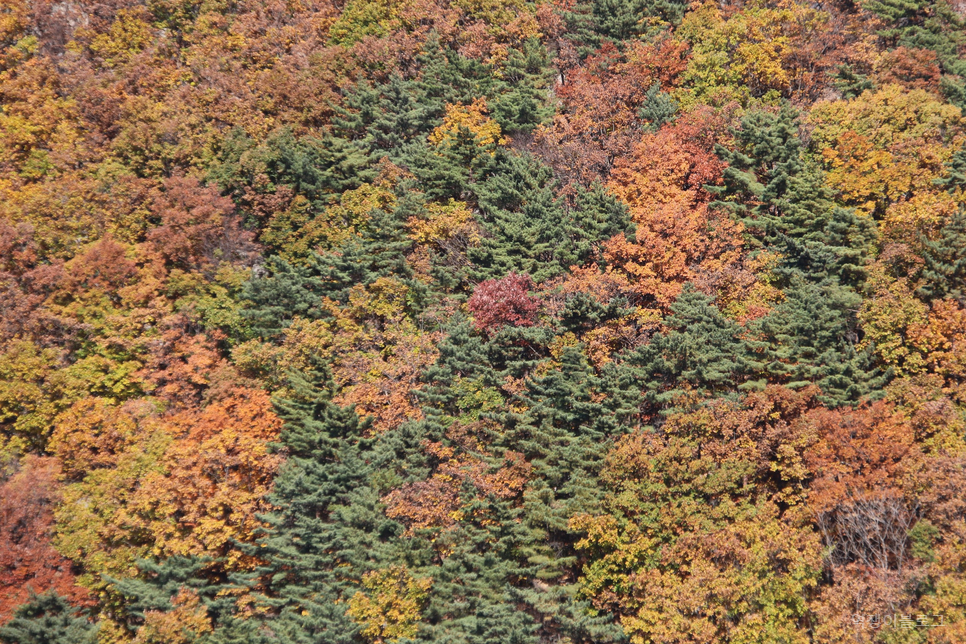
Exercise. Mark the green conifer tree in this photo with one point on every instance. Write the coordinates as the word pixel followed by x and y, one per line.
pixel 316 167
pixel 595 216
pixel 924 24
pixel 462 369
pixel 850 82
pixel 944 270
pixel 387 118
pixel 529 230
pixel 159 582
pixel 446 77
pixel 379 251
pixel 47 619
pixel 811 337
pixel 522 218
pixel 658 108
pixel 702 350
pixel 785 203
pixel 624 19
pixel 561 433
pixel 955 176
pixel 279 292
pixel 519 100
pixel 328 528
pixel 453 170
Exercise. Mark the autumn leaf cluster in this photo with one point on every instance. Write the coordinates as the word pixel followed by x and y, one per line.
pixel 475 321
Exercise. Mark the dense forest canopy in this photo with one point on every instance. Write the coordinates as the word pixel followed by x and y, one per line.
pixel 482 321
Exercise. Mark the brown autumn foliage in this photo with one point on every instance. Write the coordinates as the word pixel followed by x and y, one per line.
pixel 457 480
pixel 678 238
pixel 197 226
pixel 28 561
pixel 138 171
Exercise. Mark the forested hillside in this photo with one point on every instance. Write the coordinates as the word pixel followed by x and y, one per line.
pixel 482 321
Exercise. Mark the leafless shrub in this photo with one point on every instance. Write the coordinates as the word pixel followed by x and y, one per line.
pixel 872 531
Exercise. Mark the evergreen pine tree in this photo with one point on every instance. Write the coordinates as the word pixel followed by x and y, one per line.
pixel 480 591
pixel 581 28
pixel 784 201
pixel 944 270
pixel 446 77
pixel 572 620
pixel 818 239
pixel 453 170
pixel 596 216
pixel 47 619
pixel 514 351
pixel 955 176
pixel 238 630
pixel 850 82
pixel 582 312
pixel 811 338
pixel 924 24
pixel 561 433
pixel 328 528
pixel 618 19
pixel 158 583
pixel 227 171
pixel 530 231
pixel 702 349
pixel 522 218
pixel 623 19
pixel 471 600
pixel 564 423
pixel 462 359
pixel 767 155
pixel 658 108
pixel 387 118
pixel 519 98
pixel 316 167
pixel 379 251
pixel 279 292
